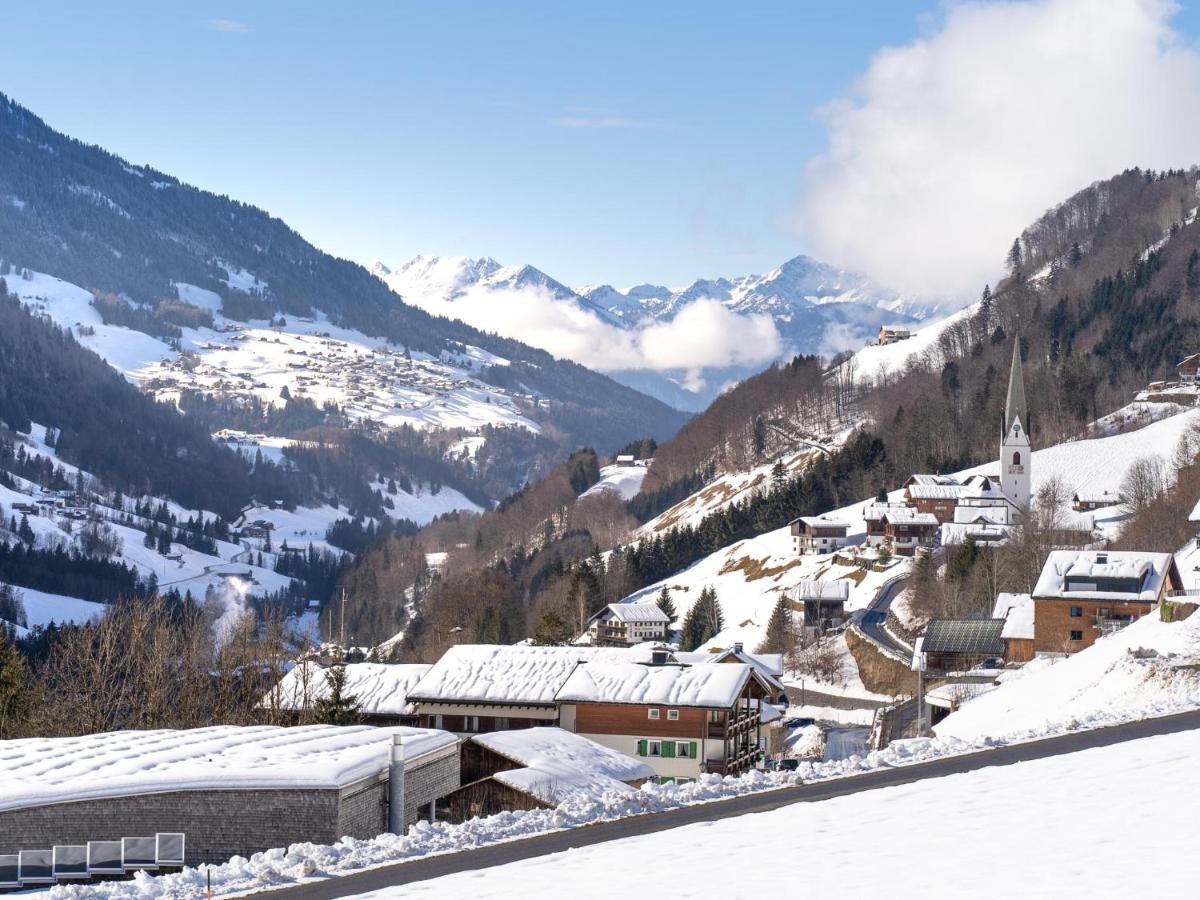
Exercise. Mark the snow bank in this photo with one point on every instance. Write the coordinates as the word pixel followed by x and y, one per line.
pixel 1151 668
pixel 1060 827
pixel 379 688
pixel 625 481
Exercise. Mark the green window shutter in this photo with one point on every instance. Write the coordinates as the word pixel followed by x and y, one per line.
pixel 692 750
pixel 641 748
pixel 668 749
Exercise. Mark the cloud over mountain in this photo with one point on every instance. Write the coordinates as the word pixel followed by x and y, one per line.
pixel 949 146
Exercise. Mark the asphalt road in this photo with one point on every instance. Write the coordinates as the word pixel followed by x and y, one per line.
pixel 871 622
pixel 500 854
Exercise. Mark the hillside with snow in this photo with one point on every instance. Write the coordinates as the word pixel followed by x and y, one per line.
pixel 750 576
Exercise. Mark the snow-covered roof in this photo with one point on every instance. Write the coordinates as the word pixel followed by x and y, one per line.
pixel 558 765
pixel 836 589
pixel 1017 612
pixel 1099 498
pixel 968 515
pixel 39 771
pixel 513 675
pixel 1194 515
pixel 379 688
pixel 1147 569
pixel 953 534
pixel 923 479
pixel 768 665
pixel 821 522
pixel 708 686
pixel 634 612
pixel 908 516
pixel 936 491
pixel 876 511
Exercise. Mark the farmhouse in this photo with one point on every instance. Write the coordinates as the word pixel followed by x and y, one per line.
pixel 818 534
pixel 232 791
pixel 824 602
pixel 1188 368
pixel 626 624
pixel 937 500
pixel 1083 594
pixel 538 768
pixel 682 720
pixel 891 334
pixel 768 665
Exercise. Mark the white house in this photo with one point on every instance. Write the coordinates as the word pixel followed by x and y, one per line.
pixel 626 624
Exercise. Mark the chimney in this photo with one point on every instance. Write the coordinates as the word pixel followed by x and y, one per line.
pixel 737 648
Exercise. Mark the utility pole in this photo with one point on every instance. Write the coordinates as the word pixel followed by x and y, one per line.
pixel 342 638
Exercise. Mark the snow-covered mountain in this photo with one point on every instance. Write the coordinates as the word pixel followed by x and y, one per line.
pixel 813 307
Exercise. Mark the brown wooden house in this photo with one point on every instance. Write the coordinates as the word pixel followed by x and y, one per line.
pixel 907 529
pixel 938 500
pixel 683 720
pixel 958 645
pixel 1084 594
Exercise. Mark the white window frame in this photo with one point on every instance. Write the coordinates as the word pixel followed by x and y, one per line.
pixel 653 714
pixel 686 747
pixel 654 748
pixel 672 715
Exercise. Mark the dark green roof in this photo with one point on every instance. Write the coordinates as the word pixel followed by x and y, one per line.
pixel 964 636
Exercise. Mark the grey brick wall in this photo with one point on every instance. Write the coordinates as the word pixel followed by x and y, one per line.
pixel 220 824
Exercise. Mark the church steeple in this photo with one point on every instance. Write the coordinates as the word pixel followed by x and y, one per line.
pixel 1015 452
pixel 1014 406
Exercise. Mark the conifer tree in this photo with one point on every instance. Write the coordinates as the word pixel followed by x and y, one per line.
pixel 781 632
pixel 338 707
pixel 666 604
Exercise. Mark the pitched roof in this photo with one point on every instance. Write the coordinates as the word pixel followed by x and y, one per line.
pixel 820 521
pixel 936 491
pixel 964 636
pixel 560 765
pixel 707 686
pixel 873 512
pixel 380 688
pixel 1014 404
pixel 1017 612
pixel 909 516
pixel 835 589
pixel 635 612
pixel 512 675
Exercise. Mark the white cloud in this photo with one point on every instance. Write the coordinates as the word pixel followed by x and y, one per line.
pixel 226 26
pixel 950 145
pixel 704 334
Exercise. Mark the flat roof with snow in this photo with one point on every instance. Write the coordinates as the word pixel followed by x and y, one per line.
pixel 40 771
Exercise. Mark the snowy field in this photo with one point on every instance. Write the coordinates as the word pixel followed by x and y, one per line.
pixel 42 609
pixel 1058 827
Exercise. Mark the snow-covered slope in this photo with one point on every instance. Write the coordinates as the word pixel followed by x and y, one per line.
pixel 1061 825
pixel 1151 668
pixel 624 481
pixel 367 377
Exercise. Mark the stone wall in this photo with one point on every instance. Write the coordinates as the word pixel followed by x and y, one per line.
pixel 220 824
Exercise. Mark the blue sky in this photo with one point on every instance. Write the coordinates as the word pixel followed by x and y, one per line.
pixel 618 142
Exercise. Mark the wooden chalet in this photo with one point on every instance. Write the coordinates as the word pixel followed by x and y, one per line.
pixel 1017 612
pixel 1087 501
pixel 626 624
pixel 1188 368
pixel 907 529
pixel 682 720
pixel 937 500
